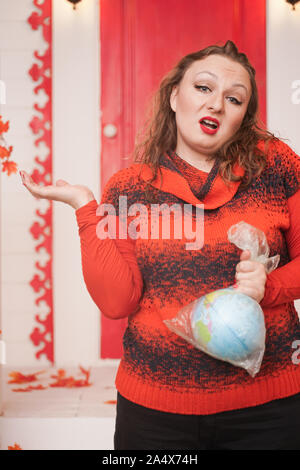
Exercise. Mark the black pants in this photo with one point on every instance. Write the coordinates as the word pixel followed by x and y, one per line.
pixel 271 426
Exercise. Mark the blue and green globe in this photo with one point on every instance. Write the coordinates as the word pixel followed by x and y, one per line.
pixel 228 325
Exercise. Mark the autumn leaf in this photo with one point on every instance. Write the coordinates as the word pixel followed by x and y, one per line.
pixel 70 382
pixel 18 378
pixel 60 374
pixel 85 372
pixel 4 152
pixel 29 388
pixel 61 380
pixel 14 447
pixel 9 167
pixel 4 126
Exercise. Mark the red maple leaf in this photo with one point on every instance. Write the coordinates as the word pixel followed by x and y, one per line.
pixel 70 382
pixel 29 388
pixel 61 380
pixel 9 167
pixel 4 152
pixel 14 447
pixel 3 125
pixel 85 372
pixel 18 378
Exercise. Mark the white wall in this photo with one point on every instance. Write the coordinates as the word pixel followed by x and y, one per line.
pixel 283 72
pixel 76 147
pixel 17 45
pixel 76 150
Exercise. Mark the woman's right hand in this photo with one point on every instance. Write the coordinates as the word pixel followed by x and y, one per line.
pixel 73 195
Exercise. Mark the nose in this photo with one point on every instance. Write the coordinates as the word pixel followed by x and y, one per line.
pixel 215 102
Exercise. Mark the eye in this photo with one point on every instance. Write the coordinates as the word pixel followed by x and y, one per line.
pixel 234 100
pixel 202 88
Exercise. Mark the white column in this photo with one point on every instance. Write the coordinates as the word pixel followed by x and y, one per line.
pixel 17 45
pixel 76 151
pixel 283 73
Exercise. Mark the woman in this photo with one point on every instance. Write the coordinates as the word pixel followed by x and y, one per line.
pixel 205 142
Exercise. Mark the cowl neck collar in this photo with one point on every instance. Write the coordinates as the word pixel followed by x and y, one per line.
pixel 215 192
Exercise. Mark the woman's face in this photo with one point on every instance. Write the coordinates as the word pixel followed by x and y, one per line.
pixel 210 103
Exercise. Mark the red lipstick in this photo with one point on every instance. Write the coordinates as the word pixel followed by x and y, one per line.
pixel 209 125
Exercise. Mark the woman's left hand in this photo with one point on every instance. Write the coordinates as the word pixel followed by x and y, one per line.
pixel 250 277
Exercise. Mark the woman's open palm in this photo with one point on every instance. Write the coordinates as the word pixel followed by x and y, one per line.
pixel 74 195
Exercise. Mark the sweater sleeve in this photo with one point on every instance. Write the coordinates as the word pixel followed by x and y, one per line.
pixel 283 284
pixel 109 266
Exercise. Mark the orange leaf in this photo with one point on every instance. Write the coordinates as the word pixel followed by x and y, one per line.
pixel 60 374
pixel 3 125
pixel 18 378
pixel 20 390
pixel 110 402
pixel 9 167
pixel 4 152
pixel 85 372
pixel 70 382
pixel 29 388
pixel 15 447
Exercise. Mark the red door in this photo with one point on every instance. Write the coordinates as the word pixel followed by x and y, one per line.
pixel 140 41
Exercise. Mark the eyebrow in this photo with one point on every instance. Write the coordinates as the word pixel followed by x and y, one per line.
pixel 215 76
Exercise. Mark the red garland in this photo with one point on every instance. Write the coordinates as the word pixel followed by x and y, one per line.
pixel 41 229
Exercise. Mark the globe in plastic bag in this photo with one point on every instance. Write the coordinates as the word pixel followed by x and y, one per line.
pixel 227 324
pixel 224 334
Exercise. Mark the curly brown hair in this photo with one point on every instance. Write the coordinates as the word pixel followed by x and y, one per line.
pixel 159 134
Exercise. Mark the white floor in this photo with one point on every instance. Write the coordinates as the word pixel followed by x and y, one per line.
pixel 59 418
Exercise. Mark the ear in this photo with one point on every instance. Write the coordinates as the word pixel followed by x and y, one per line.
pixel 173 98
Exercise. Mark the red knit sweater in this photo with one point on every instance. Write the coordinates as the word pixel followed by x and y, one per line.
pixel 149 280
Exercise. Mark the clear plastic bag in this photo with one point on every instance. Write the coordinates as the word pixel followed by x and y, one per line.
pixel 227 324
